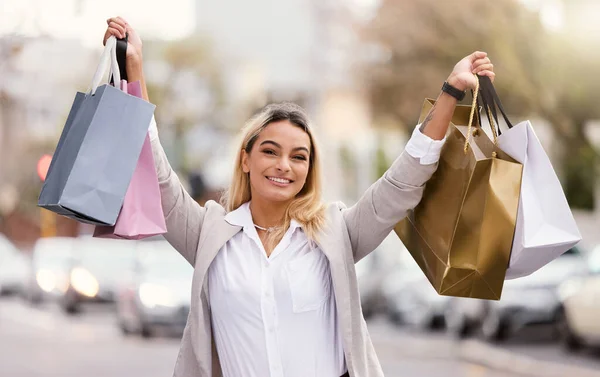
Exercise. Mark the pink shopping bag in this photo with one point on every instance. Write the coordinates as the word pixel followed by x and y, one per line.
pixel 141 215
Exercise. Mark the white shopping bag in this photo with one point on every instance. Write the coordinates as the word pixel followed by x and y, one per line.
pixel 545 226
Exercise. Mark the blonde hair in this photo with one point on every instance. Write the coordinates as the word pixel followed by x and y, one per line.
pixel 307 208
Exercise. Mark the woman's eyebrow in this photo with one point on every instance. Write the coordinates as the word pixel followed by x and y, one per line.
pixel 279 146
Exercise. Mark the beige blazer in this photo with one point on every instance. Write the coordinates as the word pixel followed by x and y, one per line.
pixel 350 234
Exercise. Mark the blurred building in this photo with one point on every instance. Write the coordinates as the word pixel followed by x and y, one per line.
pixel 581 20
pixel 39 79
pixel 303 51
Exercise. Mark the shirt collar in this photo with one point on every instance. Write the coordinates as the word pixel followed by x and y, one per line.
pixel 243 217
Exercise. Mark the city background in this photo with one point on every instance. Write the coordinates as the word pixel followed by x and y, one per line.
pixel 362 69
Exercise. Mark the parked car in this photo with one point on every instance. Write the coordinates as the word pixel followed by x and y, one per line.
pixel 463 316
pixel 411 300
pixel 372 271
pixel 526 301
pixel 158 293
pixel 97 268
pixel 14 268
pixel 50 266
pixel 580 296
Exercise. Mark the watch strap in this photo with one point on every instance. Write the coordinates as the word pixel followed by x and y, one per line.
pixel 454 92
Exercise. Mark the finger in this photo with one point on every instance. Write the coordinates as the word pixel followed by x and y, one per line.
pixel 484 67
pixel 489 74
pixel 125 24
pixel 479 62
pixel 123 21
pixel 111 32
pixel 120 28
pixel 117 20
pixel 478 55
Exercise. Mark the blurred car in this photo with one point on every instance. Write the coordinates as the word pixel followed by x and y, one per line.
pixel 463 316
pixel 580 296
pixel 49 272
pixel 411 299
pixel 526 301
pixel 97 268
pixel 158 293
pixel 14 268
pixel 372 270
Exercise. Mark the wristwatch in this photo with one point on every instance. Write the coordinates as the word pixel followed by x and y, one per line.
pixel 454 92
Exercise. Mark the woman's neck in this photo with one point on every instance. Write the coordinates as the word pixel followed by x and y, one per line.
pixel 267 214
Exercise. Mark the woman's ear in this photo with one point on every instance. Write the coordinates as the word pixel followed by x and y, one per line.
pixel 245 164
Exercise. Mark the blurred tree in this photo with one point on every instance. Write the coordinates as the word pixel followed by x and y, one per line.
pixel 349 167
pixel 191 93
pixel 414 45
pixel 382 163
pixel 10 50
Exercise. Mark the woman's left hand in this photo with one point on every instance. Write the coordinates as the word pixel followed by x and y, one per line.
pixel 477 63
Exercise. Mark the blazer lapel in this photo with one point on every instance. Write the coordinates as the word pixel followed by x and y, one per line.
pixel 212 242
pixel 332 245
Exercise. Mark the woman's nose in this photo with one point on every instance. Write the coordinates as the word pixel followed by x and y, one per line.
pixel 283 164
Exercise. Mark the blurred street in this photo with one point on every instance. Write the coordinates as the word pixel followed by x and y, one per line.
pixel 76 305
pixel 42 341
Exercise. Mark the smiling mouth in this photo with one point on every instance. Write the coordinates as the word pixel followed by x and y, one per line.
pixel 280 181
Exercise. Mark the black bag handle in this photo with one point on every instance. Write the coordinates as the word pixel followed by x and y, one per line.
pixel 122 58
pixel 492 102
pixel 485 103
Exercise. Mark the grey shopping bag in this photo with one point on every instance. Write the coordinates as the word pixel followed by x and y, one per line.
pixel 98 151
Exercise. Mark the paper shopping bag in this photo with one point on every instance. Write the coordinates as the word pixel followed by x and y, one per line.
pixel 461 232
pixel 141 215
pixel 97 152
pixel 545 226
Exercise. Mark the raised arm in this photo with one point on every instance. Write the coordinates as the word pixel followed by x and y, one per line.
pixel 400 189
pixel 183 215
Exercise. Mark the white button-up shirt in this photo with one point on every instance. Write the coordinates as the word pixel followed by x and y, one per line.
pixel 273 316
pixel 276 316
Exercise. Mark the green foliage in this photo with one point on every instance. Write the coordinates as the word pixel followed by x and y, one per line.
pixel 539 73
pixel 381 161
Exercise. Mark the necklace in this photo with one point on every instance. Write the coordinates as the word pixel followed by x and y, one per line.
pixel 269 229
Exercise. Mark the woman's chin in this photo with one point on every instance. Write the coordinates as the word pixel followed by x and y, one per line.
pixel 278 196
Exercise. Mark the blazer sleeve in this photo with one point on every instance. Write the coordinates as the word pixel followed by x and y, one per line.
pixel 183 215
pixel 385 203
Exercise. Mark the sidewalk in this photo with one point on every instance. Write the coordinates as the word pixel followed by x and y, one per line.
pixel 509 361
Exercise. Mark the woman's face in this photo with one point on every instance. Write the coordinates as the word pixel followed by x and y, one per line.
pixel 278 162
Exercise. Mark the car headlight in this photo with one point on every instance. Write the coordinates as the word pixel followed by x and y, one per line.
pixel 84 282
pixel 45 280
pixel 153 295
pixel 569 288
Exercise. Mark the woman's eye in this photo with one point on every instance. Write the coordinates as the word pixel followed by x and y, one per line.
pixel 300 157
pixel 268 151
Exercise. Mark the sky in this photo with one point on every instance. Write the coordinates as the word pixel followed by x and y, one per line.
pixel 173 19
pixel 86 19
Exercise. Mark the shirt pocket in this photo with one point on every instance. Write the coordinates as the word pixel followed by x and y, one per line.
pixel 310 281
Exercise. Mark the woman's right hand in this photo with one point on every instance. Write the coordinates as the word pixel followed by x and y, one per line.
pixel 117 26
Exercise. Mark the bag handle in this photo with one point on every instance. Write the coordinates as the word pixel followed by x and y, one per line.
pixel 493 102
pixel 474 110
pixel 486 99
pixel 108 55
pixel 121 51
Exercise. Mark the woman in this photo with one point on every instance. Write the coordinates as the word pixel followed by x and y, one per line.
pixel 274 289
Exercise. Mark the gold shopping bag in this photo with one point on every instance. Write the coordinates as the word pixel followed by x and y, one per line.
pixel 461 232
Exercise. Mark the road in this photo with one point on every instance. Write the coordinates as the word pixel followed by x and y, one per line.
pixel 37 342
